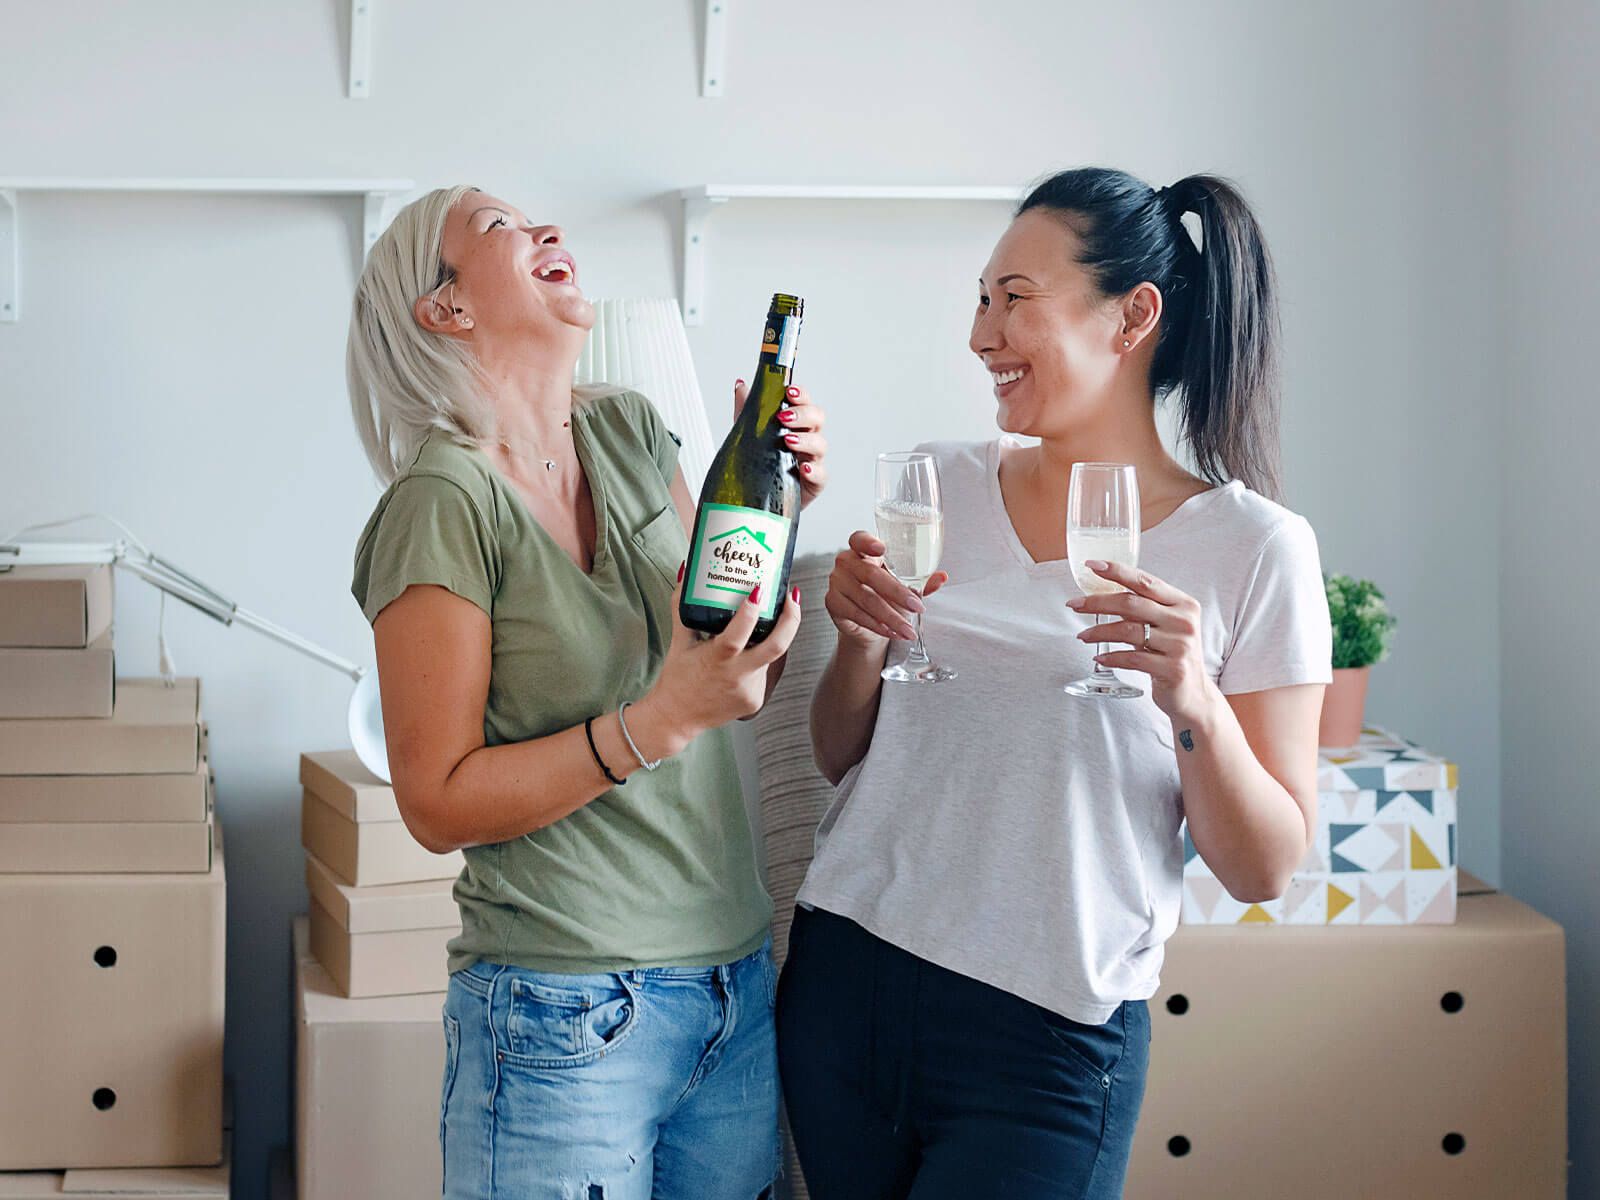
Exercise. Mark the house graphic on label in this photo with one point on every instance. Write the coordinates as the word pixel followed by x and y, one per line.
pixel 750 535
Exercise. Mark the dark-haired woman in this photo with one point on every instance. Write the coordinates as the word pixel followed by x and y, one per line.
pixel 962 1012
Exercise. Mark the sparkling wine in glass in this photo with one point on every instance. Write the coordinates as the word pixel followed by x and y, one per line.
pixel 909 514
pixel 1102 523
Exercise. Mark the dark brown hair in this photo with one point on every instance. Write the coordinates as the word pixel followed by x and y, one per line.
pixel 1217 342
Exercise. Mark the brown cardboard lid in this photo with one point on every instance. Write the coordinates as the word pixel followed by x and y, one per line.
pixel 384 907
pixel 152 702
pixel 318 1001
pixel 111 883
pixel 339 780
pixel 145 1183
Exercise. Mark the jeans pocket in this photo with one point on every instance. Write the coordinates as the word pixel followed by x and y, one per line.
pixel 1093 1049
pixel 552 1022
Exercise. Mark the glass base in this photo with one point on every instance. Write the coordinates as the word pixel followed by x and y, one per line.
pixel 932 673
pixel 1103 687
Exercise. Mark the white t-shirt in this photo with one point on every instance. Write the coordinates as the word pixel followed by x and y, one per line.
pixel 1030 839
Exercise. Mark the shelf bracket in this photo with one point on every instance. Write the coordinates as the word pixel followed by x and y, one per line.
pixel 711 74
pixel 697 210
pixel 361 49
pixel 10 259
pixel 375 218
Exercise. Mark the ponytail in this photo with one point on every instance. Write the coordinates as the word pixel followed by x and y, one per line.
pixel 1217 342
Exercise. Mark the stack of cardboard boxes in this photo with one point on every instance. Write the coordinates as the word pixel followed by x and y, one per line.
pixel 369 982
pixel 112 908
pixel 1377 1031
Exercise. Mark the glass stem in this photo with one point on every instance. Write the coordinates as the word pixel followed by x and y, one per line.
pixel 1101 671
pixel 919 653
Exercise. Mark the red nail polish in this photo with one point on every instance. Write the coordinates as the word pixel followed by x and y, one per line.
pixel 738 383
pixel 680 572
pixel 795 595
pixel 791 439
pixel 755 594
pixel 792 392
pixel 806 467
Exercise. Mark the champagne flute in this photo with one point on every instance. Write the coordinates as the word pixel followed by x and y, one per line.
pixel 909 512
pixel 1102 523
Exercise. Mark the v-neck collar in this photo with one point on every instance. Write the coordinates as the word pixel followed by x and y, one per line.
pixel 602 518
pixel 1060 566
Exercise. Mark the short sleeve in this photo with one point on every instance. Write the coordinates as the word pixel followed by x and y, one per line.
pixel 1282 635
pixel 429 531
pixel 661 441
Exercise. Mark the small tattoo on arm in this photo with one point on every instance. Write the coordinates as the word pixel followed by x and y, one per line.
pixel 1187 740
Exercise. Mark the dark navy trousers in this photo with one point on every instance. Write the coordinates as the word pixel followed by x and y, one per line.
pixel 903 1079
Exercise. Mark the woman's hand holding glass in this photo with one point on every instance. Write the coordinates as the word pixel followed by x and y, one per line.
pixel 1163 625
pixel 869 606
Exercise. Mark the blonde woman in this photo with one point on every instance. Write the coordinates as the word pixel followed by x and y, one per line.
pixel 608 1025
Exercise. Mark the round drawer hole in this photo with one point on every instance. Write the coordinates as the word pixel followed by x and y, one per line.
pixel 1452 1002
pixel 1178 1004
pixel 1454 1143
pixel 106 956
pixel 104 1098
pixel 1178 1146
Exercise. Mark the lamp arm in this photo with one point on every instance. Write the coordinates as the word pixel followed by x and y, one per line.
pixel 174 581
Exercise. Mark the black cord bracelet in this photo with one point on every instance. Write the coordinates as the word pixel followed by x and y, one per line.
pixel 588 732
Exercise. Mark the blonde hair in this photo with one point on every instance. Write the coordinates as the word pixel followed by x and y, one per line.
pixel 404 380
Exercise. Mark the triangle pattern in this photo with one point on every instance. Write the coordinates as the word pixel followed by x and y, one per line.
pixel 1422 858
pixel 1338 901
pixel 1205 892
pixel 1256 915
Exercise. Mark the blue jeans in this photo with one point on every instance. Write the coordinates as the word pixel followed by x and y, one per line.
pixel 904 1079
pixel 654 1084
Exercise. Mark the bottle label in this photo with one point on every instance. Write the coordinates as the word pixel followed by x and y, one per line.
pixel 780 338
pixel 737 549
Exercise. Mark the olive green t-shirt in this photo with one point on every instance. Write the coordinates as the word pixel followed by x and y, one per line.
pixel 661 871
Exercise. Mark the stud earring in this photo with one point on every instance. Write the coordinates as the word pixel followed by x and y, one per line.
pixel 1126 343
pixel 466 322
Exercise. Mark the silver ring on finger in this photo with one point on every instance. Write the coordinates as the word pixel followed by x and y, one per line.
pixel 1145 645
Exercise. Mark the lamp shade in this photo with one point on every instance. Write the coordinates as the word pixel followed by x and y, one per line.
pixel 642 345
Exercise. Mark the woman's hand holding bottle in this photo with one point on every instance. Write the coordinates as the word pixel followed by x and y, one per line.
pixel 707 682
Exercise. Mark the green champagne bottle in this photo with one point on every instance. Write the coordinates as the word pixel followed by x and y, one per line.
pixel 744 531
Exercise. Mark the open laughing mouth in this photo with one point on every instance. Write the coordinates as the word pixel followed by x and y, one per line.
pixel 557 270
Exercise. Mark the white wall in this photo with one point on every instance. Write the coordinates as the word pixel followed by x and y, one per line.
pixel 180 360
pixel 1550 566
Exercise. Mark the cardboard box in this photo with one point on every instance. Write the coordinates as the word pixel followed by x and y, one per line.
pixel 60 607
pixel 152 730
pixel 138 1183
pixel 113 1017
pixel 381 941
pixel 1422 1060
pixel 371 852
pixel 57 683
pixel 367 1089
pixel 104 798
pixel 143 847
pixel 338 779
pixel 1384 851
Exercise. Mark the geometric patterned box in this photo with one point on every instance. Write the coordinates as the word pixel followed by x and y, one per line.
pixel 1384 851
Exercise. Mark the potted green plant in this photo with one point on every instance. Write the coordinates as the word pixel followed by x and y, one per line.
pixel 1362 625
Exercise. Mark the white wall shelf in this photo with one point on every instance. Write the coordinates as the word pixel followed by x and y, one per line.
pixel 700 200
pixel 377 196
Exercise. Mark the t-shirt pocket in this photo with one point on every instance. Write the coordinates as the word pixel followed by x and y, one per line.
pixel 663 543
